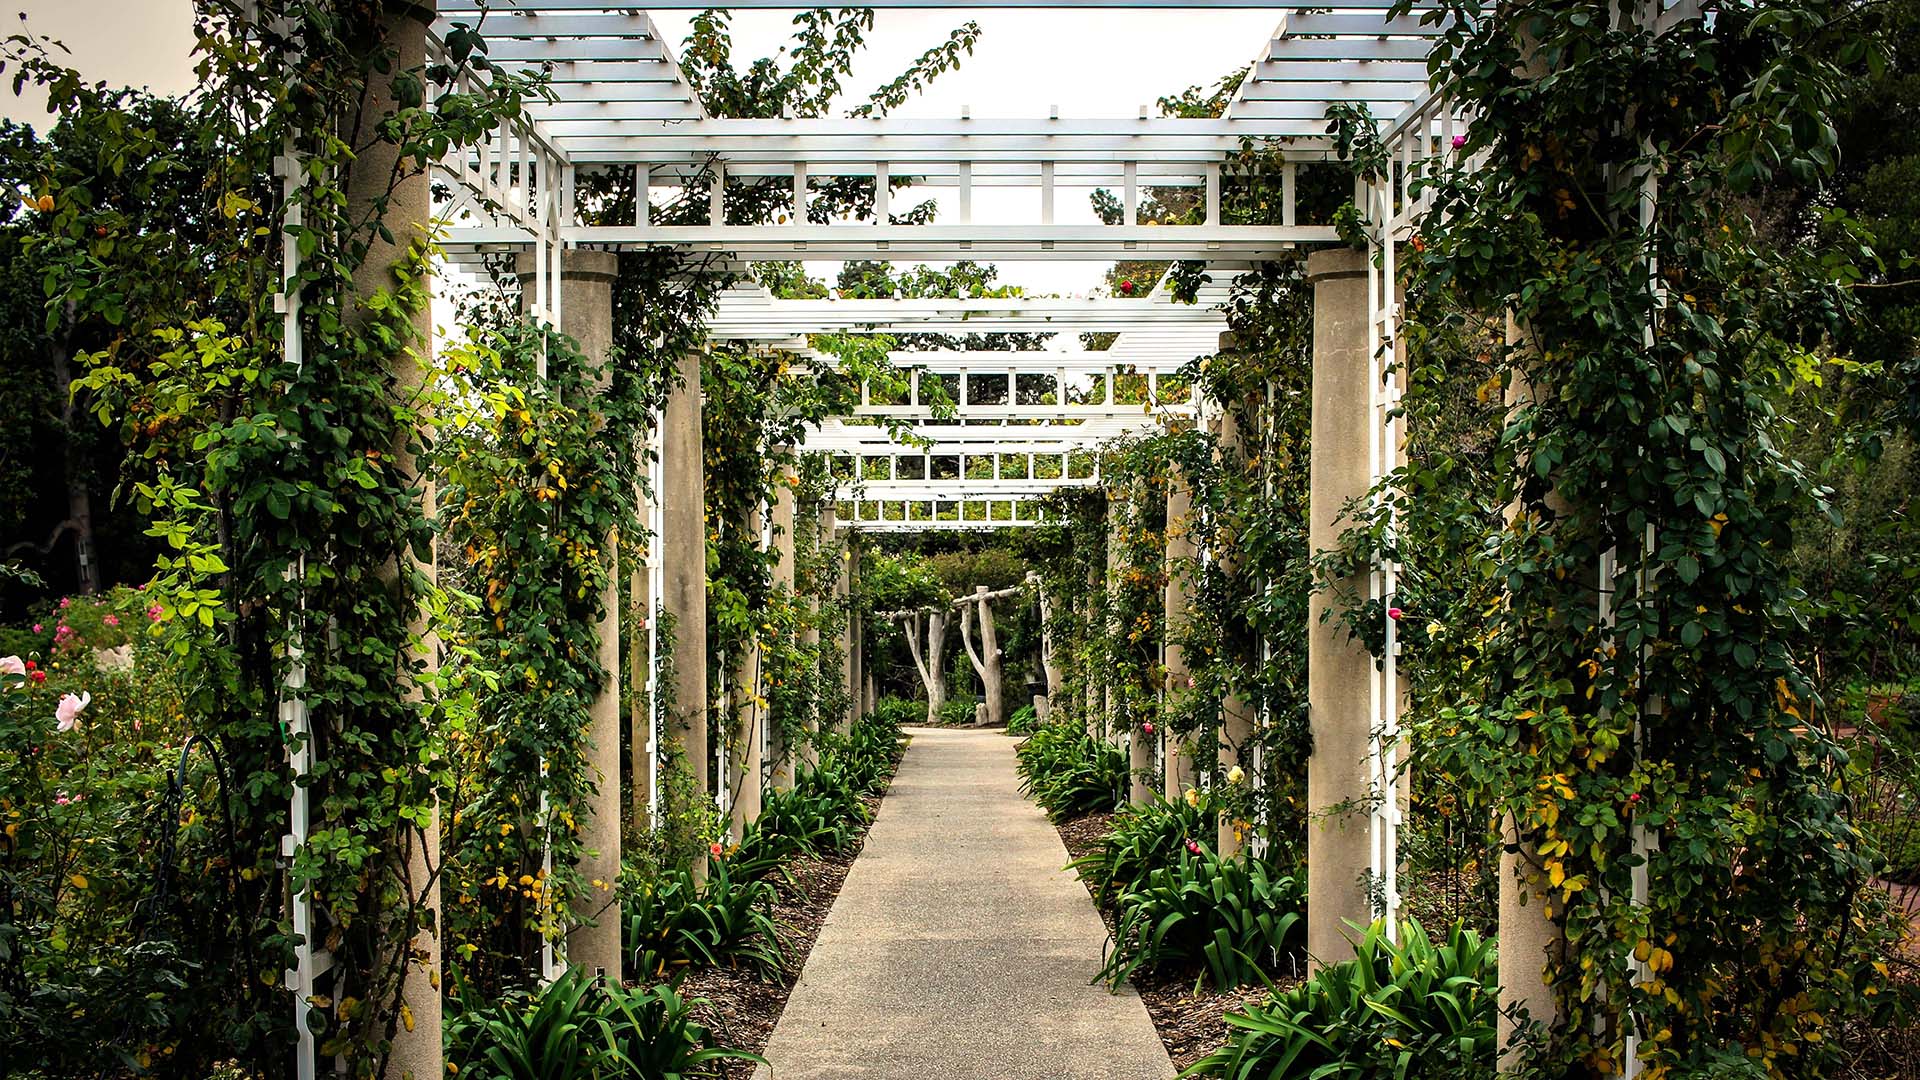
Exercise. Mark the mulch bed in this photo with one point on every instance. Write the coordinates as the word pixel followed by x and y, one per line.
pixel 739 1009
pixel 1191 1024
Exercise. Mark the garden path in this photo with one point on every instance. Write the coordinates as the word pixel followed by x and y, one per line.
pixel 959 948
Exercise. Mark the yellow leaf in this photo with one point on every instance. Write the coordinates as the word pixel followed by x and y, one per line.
pixel 79 881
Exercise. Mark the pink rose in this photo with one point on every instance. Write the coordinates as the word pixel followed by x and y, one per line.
pixel 1193 846
pixel 69 710
pixel 1394 613
pixel 1459 141
pixel 155 612
pixel 37 628
pixel 66 602
pixel 1147 727
pixel 111 620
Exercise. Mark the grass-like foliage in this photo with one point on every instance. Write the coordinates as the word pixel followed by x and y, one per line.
pixel 1412 1011
pixel 727 922
pixel 822 814
pixel 1144 838
pixel 1070 773
pixel 580 1028
pixel 1232 919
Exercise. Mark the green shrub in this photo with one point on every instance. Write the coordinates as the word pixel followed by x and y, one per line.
pixel 898 712
pixel 822 814
pixel 1231 918
pixel 579 1028
pixel 1413 1011
pixel 1070 774
pixel 866 755
pixel 1144 838
pixel 727 922
pixel 957 712
pixel 1024 721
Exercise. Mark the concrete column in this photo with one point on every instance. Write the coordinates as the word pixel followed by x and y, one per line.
pixel 1140 745
pixel 639 665
pixel 1531 938
pixel 1111 721
pixel 779 753
pixel 683 554
pixel 379 173
pixel 823 521
pixel 1340 670
pixel 1049 645
pixel 586 278
pixel 1090 663
pixel 1180 772
pixel 747 718
pixel 1235 732
pixel 842 597
pixel 856 635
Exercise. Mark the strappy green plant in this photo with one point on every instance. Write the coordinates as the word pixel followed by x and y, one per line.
pixel 582 1028
pixel 1144 838
pixel 1230 918
pixel 1411 1011
pixel 728 921
pixel 1069 773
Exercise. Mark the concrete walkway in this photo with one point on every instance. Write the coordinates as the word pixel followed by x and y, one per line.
pixel 958 948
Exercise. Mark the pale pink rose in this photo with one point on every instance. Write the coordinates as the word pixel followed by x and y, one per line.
pixel 69 710
pixel 111 620
pixel 37 628
pixel 12 665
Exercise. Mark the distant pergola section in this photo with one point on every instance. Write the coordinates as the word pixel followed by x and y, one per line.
pixel 975 438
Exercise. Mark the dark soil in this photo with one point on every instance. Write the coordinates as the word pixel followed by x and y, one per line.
pixel 1192 1024
pixel 739 1009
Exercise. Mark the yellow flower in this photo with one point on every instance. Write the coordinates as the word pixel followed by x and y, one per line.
pixel 1236 774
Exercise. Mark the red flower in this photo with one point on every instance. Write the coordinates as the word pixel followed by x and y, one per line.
pixel 37 676
pixel 1394 613
pixel 1193 846
pixel 1127 286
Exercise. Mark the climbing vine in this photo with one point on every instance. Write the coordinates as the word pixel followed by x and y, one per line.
pixel 1614 681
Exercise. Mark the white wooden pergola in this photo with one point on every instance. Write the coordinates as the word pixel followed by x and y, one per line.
pixel 1023 423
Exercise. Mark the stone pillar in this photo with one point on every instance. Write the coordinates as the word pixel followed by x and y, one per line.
pixel 842 598
pixel 1111 722
pixel 1340 670
pixel 1530 936
pixel 1235 731
pixel 746 718
pixel 1049 645
pixel 1139 743
pixel 818 521
pixel 1090 661
pixel 1180 771
pixel 780 756
pixel 683 554
pixel 586 279
pixel 639 668
pixel 856 635
pixel 379 173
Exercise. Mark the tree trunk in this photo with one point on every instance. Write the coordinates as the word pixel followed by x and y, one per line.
pixel 986 661
pixel 926 652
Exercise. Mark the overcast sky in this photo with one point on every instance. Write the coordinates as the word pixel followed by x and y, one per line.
pixel 1091 64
